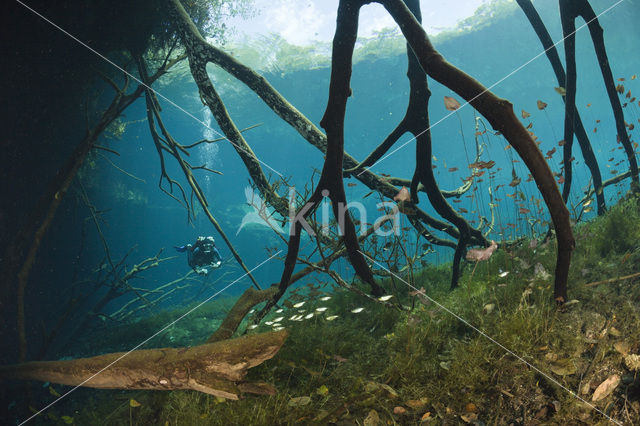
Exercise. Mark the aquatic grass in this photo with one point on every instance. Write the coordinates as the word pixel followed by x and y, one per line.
pixel 423 353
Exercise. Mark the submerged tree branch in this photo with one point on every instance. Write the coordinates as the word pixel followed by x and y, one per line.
pixel 215 368
pixel 153 113
pixel 274 100
pixel 583 140
pixel 499 112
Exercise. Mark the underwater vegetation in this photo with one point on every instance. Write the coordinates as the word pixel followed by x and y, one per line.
pixel 416 363
pixel 451 255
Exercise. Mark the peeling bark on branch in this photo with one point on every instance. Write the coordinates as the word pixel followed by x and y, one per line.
pixel 215 368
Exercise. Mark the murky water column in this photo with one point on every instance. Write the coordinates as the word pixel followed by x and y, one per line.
pixel 208 151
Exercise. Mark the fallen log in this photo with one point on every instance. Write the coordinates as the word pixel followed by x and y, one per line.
pixel 214 368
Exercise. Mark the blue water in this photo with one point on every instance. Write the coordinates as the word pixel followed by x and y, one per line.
pixel 139 217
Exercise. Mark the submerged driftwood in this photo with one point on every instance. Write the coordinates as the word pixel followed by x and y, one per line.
pixel 214 368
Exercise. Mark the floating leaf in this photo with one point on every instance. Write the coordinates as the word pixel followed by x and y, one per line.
pixel 482 165
pixel 53 392
pixel 560 90
pixel 67 419
pixel 451 104
pixel 541 105
pixel 525 114
pixel 134 403
pixel 299 401
pixel 605 388
pixel 402 195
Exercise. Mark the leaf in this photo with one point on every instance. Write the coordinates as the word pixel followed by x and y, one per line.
pixel 451 104
pixel 481 254
pixel 605 388
pixel 622 347
pixel 541 105
pixel 134 403
pixel 53 392
pixel 399 410
pixel 67 419
pixel 469 417
pixel 402 195
pixel 299 401
pixel 322 390
pixel 564 367
pixel 525 114
pixel 417 403
pixel 632 362
pixel 560 90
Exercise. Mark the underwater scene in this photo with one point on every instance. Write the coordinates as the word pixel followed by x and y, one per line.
pixel 320 212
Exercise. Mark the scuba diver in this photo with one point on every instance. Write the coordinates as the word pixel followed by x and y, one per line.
pixel 202 255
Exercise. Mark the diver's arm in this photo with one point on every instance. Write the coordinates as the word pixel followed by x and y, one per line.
pixel 216 254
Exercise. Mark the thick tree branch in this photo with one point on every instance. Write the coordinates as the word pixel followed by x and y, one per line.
pixel 499 112
pixel 215 368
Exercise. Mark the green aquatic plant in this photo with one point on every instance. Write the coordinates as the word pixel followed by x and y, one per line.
pixel 426 358
pixel 617 232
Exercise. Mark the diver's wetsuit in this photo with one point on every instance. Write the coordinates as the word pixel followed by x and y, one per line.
pixel 202 255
